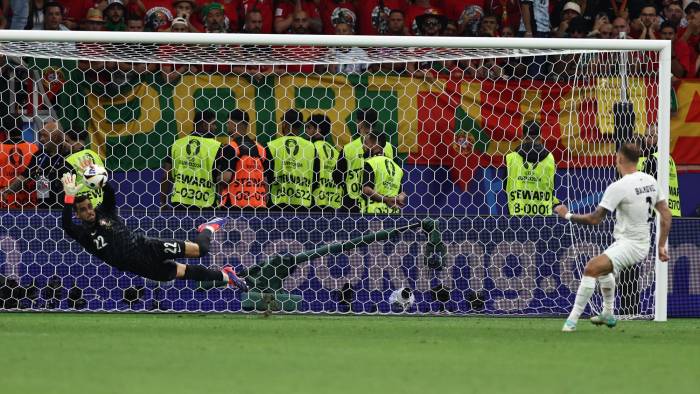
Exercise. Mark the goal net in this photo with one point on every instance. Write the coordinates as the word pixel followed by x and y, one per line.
pixel 483 136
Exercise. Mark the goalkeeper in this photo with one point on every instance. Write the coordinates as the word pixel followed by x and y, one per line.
pixel 104 234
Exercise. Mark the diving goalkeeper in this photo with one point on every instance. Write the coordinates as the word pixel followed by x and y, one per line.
pixel 103 234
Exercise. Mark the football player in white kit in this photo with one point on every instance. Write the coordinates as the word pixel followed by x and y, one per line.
pixel 633 197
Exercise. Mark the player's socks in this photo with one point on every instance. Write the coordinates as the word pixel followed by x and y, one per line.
pixel 607 287
pixel 584 293
pixel 213 225
pixel 199 272
pixel 203 240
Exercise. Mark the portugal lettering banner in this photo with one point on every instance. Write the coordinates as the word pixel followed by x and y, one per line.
pixel 454 123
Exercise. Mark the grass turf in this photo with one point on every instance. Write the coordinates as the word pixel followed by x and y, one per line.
pixel 108 353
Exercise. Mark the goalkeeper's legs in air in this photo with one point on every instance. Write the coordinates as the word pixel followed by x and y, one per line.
pixel 598 268
pixel 172 249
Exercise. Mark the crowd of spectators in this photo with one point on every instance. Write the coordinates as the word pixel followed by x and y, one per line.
pixel 676 20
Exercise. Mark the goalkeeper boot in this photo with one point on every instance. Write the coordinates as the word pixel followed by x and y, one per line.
pixel 608 320
pixel 234 280
pixel 569 326
pixel 213 225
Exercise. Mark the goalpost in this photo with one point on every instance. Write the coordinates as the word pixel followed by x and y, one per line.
pixel 451 107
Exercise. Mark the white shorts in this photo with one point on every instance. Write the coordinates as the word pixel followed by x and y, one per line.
pixel 625 254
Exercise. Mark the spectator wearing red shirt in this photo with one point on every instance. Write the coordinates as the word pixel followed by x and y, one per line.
pixel 300 25
pixel 253 22
pixel 266 9
pixel 334 12
pixel 185 9
pixel 646 27
pixel 231 12
pixel 373 19
pixel 506 11
pixel 621 29
pixel 214 18
pixel 284 15
pixel 681 54
pixel 420 7
pixel 253 25
pixel 134 24
pixel 396 25
pixel 467 14
pixel 691 33
pixel 75 11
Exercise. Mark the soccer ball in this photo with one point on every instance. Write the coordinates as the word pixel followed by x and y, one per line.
pixel 95 177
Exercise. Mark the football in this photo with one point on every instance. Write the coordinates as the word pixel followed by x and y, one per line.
pixel 95 177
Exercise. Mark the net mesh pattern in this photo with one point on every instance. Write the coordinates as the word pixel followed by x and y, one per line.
pixel 450 118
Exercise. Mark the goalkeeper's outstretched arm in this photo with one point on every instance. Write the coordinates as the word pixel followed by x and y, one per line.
pixel 70 189
pixel 109 199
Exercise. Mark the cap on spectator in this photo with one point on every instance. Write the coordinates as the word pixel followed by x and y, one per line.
pixel 431 13
pixel 179 21
pixel 571 6
pixel 93 15
pixel 690 5
pixel 115 3
pixel 238 115
pixel 209 8
pixel 158 18
pixel 343 15
pixel 293 118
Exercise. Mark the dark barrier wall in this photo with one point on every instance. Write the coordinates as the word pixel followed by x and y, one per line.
pixel 495 265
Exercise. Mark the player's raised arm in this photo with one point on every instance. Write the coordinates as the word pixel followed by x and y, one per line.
pixel 665 215
pixel 592 218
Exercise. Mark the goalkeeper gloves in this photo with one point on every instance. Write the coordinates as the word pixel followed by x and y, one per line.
pixel 70 188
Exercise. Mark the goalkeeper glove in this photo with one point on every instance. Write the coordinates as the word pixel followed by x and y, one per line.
pixel 70 188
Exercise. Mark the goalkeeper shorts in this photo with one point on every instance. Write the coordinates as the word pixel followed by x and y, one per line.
pixel 625 254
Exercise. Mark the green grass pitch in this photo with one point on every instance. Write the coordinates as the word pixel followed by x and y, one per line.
pixel 129 353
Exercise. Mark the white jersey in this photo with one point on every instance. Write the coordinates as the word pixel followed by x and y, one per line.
pixel 633 197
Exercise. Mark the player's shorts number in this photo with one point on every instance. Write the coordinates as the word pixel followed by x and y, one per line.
pixel 171 247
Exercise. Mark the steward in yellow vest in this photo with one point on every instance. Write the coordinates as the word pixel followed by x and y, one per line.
pixel 649 164
pixel 530 178
pixel 197 166
pixel 351 161
pixel 326 191
pixel 381 186
pixel 292 158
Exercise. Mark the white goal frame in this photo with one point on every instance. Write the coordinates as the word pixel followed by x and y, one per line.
pixel 553 44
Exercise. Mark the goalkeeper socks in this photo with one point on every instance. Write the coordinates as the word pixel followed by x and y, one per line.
pixel 607 287
pixel 199 272
pixel 203 240
pixel 584 293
